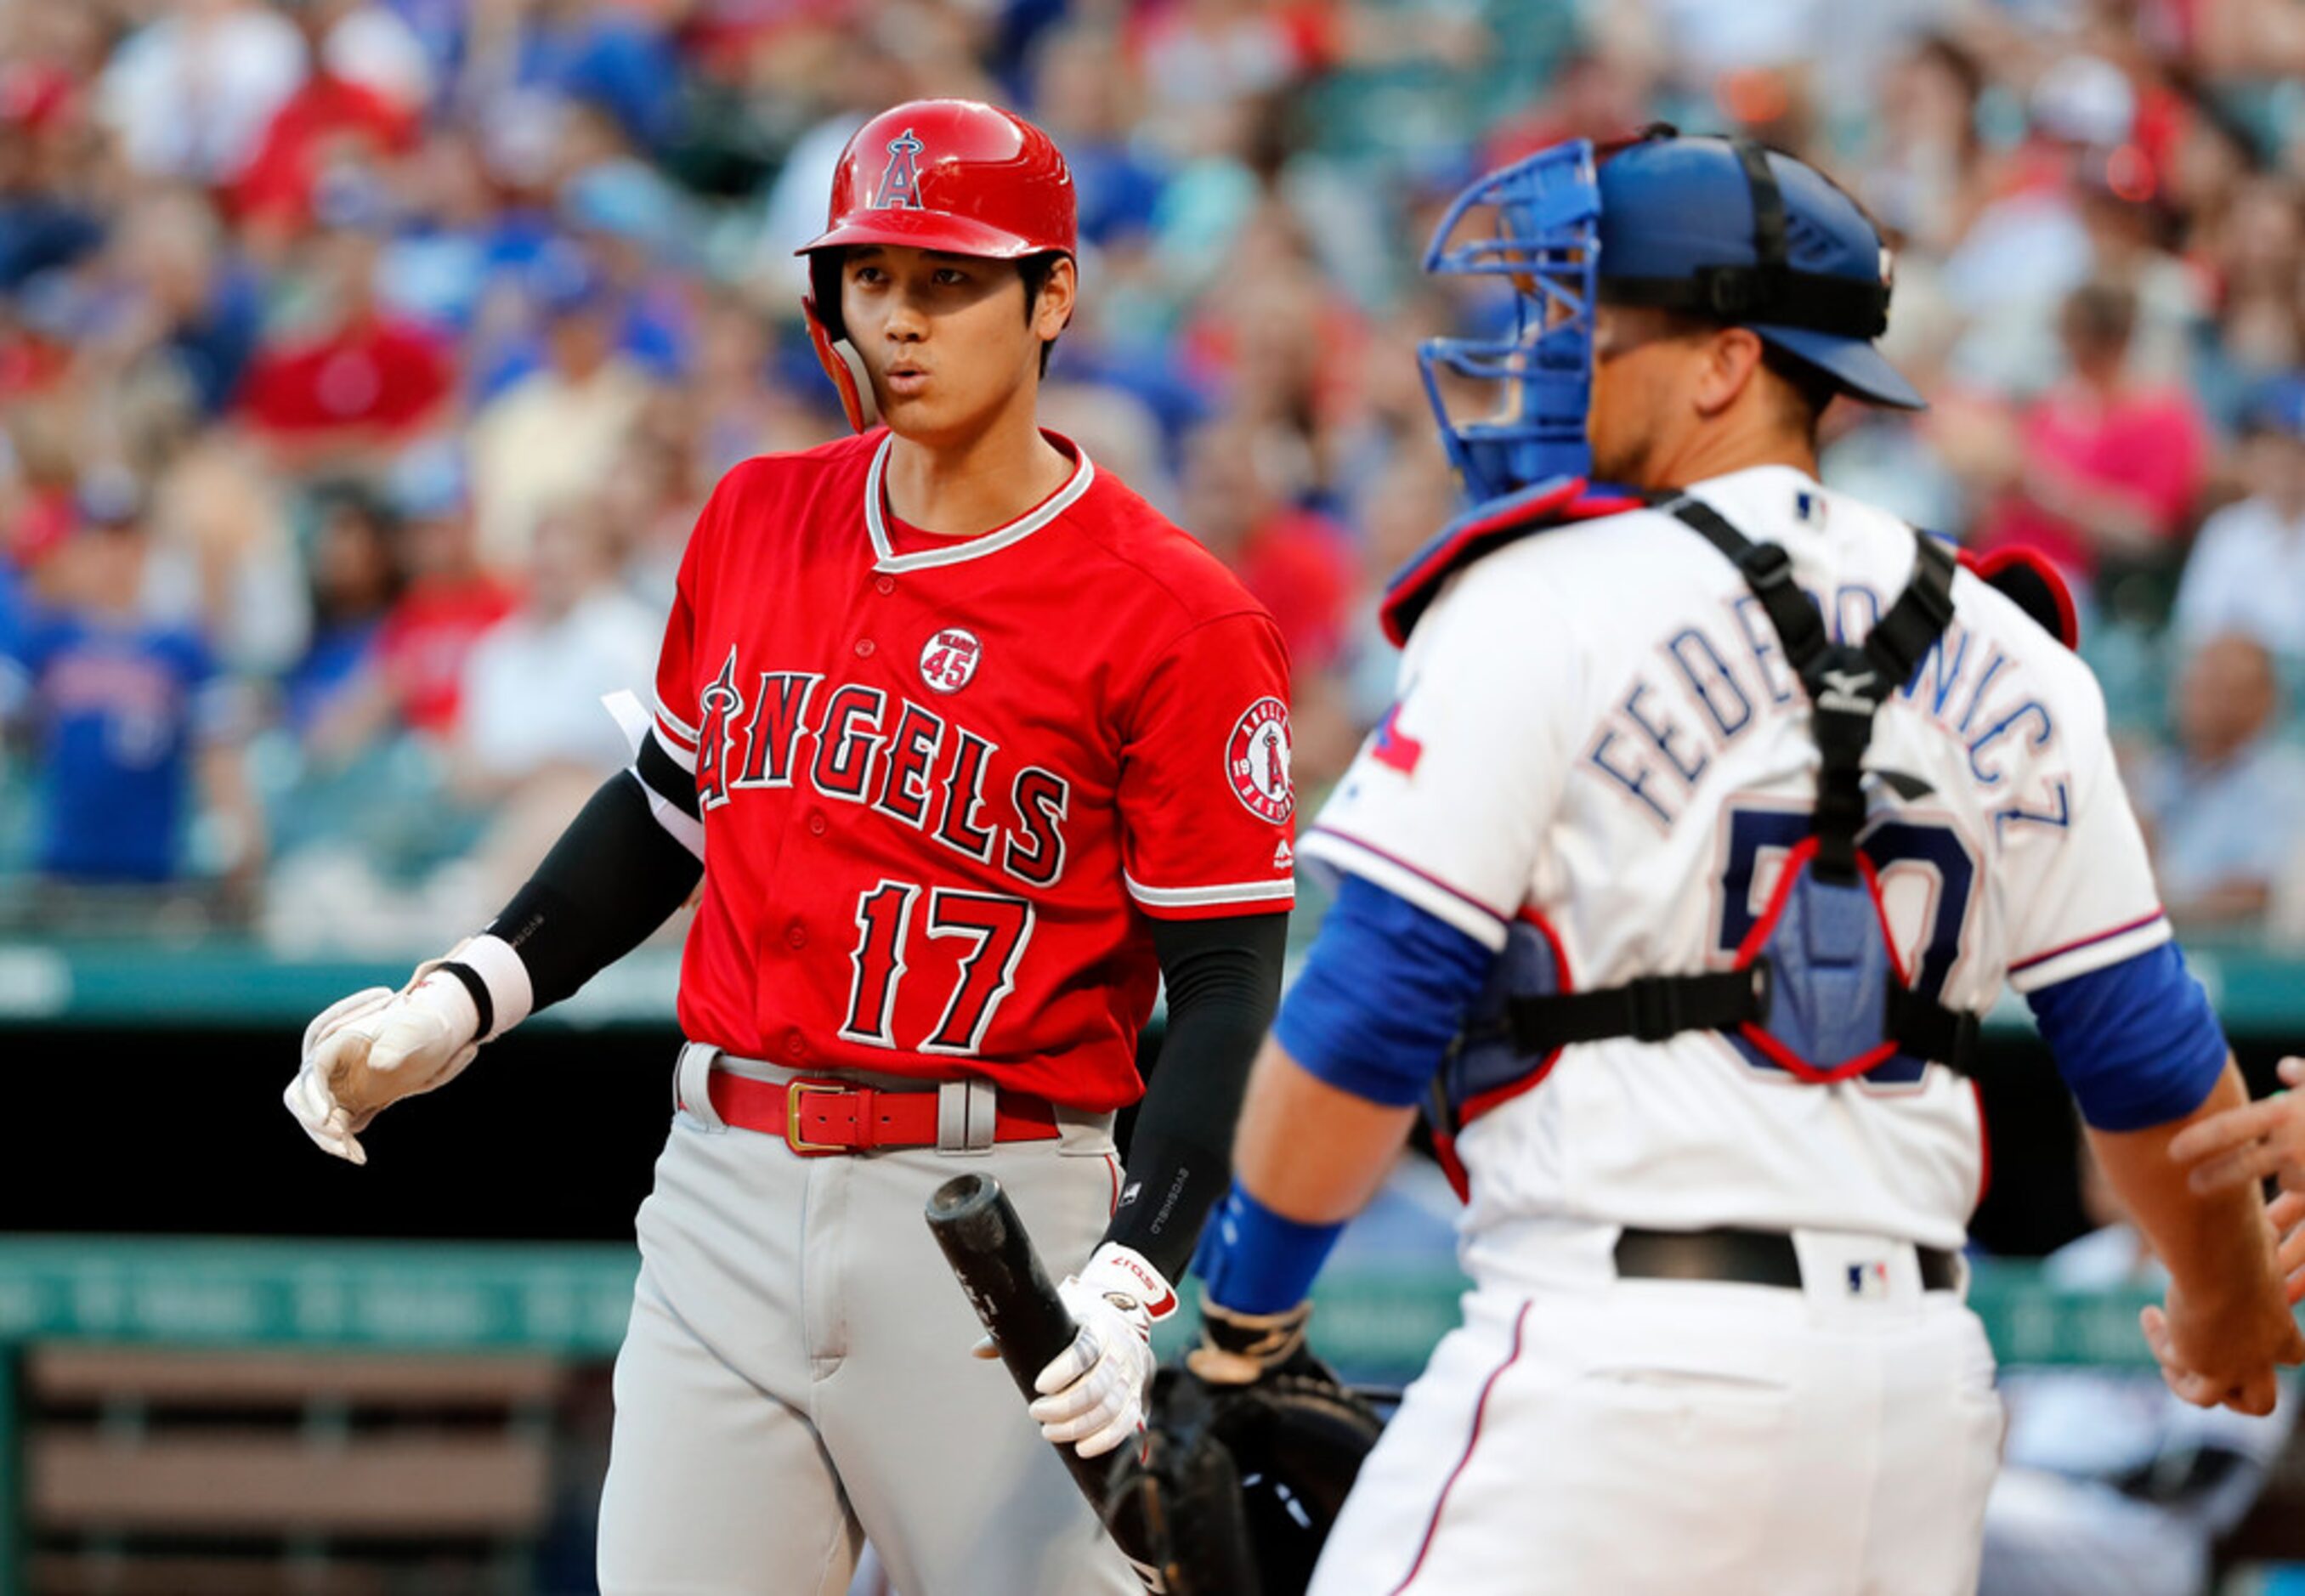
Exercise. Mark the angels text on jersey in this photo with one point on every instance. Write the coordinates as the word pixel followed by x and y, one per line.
pixel 857 743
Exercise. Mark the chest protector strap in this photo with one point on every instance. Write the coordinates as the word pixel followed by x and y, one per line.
pixel 1847 685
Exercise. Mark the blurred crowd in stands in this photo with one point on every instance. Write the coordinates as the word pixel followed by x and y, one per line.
pixel 362 363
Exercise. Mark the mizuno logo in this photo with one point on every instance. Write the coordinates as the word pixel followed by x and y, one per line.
pixel 1849 692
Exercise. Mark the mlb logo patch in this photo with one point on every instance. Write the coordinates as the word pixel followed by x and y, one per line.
pixel 1869 1282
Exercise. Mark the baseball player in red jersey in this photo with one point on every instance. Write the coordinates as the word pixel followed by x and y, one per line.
pixel 972 750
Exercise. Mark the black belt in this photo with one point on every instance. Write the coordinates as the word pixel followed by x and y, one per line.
pixel 1745 1257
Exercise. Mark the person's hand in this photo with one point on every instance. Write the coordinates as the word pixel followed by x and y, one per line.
pixel 375 1047
pixel 1093 1394
pixel 2286 1220
pixel 2226 1353
pixel 1239 1349
pixel 2263 1139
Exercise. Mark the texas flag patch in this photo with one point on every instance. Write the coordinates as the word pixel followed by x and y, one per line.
pixel 1393 748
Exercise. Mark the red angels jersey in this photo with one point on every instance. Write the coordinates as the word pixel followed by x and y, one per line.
pixel 946 783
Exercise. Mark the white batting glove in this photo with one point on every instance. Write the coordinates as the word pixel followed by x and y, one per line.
pixel 375 1047
pixel 1093 1394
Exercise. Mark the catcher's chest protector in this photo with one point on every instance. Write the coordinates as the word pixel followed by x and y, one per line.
pixel 1817 988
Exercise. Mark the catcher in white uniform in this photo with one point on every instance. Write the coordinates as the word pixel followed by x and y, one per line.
pixel 1714 807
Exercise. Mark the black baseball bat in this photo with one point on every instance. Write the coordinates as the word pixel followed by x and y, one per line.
pixel 996 1264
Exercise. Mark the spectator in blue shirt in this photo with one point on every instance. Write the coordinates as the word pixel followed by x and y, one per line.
pixel 124 712
pixel 2221 808
pixel 605 55
pixel 1077 72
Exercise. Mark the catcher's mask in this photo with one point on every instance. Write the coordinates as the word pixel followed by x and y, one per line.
pixel 1238 1486
pixel 1721 229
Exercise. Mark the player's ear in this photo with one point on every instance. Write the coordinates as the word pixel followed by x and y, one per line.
pixel 1730 362
pixel 1052 310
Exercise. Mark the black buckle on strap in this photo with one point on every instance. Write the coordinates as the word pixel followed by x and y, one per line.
pixel 1762 975
pixel 1649 1009
pixel 1766 566
pixel 1932 1032
pixel 1654 1004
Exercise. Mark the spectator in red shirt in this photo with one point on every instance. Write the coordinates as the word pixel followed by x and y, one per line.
pixel 331 122
pixel 2100 465
pixel 413 679
pixel 363 382
pixel 1297 563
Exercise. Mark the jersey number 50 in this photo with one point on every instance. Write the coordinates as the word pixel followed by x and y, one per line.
pixel 999 927
pixel 1935 852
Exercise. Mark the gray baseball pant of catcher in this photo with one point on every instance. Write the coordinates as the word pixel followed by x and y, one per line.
pixel 796 1375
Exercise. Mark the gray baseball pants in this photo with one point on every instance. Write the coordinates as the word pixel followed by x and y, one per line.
pixel 797 1376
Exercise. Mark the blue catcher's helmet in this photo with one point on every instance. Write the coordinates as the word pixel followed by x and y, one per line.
pixel 1719 228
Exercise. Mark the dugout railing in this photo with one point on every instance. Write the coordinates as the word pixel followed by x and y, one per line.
pixel 486 1319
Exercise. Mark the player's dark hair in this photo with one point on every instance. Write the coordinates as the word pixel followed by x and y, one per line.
pixel 1035 269
pixel 1807 388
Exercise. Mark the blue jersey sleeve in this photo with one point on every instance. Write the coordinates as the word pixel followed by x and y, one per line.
pixel 2136 1042
pixel 1382 995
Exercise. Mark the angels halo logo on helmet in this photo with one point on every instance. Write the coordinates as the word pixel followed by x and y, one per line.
pixel 900 184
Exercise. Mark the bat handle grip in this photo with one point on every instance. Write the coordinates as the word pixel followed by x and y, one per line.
pixel 997 1265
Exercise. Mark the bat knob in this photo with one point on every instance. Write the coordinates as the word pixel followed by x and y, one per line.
pixel 962 1197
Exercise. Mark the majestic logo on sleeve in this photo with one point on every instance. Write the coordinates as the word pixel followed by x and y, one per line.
pixel 1256 762
pixel 949 661
pixel 900 184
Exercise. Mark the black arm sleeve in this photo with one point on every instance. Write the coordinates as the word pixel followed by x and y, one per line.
pixel 1224 978
pixel 614 876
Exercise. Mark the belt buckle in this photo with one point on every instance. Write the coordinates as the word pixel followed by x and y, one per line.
pixel 794 1091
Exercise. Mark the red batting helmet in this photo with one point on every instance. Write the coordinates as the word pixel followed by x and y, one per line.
pixel 952 174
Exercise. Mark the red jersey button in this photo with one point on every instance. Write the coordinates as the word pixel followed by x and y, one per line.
pixel 796 934
pixel 816 825
pixel 864 648
pixel 886 584
pixel 795 1046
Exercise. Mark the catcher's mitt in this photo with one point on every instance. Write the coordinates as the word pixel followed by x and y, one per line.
pixel 1239 1483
